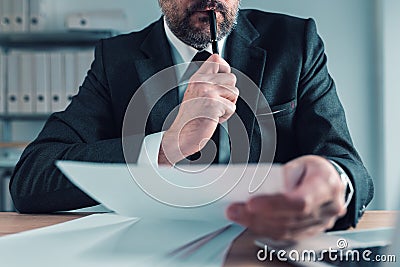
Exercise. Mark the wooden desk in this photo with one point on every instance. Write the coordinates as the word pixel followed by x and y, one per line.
pixel 242 253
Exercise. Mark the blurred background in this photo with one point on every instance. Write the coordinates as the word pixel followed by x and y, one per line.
pixel 361 39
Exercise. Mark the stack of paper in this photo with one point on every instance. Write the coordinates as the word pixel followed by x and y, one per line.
pixel 164 236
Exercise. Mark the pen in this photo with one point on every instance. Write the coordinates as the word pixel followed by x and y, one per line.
pixel 213 31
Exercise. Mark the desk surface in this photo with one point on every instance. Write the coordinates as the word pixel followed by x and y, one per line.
pixel 242 252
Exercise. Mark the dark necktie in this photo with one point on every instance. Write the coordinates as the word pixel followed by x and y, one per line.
pixel 199 58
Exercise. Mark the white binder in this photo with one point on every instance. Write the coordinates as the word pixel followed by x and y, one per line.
pixel 84 59
pixel 2 83
pixel 26 90
pixel 13 81
pixel 37 15
pixel 57 82
pixel 5 15
pixel 19 16
pixel 70 75
pixel 41 85
pixel 7 201
pixel 97 20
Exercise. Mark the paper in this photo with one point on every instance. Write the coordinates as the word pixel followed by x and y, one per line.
pixel 108 240
pixel 164 236
pixel 114 187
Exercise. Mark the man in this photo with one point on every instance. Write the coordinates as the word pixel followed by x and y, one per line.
pixel 283 55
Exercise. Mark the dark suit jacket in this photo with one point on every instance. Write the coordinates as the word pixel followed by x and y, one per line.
pixel 282 55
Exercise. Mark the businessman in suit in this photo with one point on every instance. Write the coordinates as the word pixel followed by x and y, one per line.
pixel 282 55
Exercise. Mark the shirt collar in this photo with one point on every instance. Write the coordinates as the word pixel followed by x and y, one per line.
pixel 186 52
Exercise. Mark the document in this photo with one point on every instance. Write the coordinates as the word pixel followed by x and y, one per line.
pixel 163 236
pixel 204 195
pixel 114 240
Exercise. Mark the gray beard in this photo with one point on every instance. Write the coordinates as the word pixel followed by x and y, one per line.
pixel 196 38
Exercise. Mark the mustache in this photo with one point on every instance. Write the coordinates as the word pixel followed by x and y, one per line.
pixel 207 4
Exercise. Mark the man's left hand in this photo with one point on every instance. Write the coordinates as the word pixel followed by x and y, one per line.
pixel 312 206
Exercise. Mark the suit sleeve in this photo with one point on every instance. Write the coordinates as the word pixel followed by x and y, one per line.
pixel 85 131
pixel 321 127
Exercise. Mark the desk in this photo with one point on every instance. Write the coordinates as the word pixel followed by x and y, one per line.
pixel 242 252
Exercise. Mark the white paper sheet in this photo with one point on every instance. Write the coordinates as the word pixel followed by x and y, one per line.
pixel 104 240
pixel 113 186
pixel 124 240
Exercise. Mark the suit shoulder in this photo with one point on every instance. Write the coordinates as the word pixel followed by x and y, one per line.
pixel 277 25
pixel 279 29
pixel 260 18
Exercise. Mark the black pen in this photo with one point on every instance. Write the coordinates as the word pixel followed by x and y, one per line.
pixel 213 31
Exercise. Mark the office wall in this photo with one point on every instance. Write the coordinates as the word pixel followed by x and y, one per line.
pixel 348 29
pixel 390 20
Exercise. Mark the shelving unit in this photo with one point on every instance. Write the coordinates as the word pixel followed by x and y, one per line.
pixel 38 41
pixel 49 39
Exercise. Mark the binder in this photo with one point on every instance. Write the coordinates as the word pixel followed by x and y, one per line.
pixel 8 204
pixel 84 59
pixel 13 81
pixel 2 82
pixel 26 76
pixel 70 75
pixel 19 16
pixel 37 15
pixel 41 83
pixel 5 15
pixel 57 82
pixel 100 20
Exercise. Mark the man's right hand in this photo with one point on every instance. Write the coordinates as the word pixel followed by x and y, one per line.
pixel 210 98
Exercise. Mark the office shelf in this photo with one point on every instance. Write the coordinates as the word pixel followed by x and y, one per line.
pixel 35 42
pixel 24 117
pixel 52 39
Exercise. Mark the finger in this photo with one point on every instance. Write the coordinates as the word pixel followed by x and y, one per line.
pixel 222 79
pixel 214 64
pixel 229 109
pixel 238 213
pixel 209 89
pixel 230 93
pixel 278 205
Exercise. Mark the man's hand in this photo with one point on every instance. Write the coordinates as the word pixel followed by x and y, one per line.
pixel 209 99
pixel 312 206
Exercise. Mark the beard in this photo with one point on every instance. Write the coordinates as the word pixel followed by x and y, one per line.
pixel 199 38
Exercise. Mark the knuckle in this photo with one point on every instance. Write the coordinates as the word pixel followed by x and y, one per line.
pixel 232 78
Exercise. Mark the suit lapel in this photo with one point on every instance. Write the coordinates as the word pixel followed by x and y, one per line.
pixel 156 49
pixel 250 60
